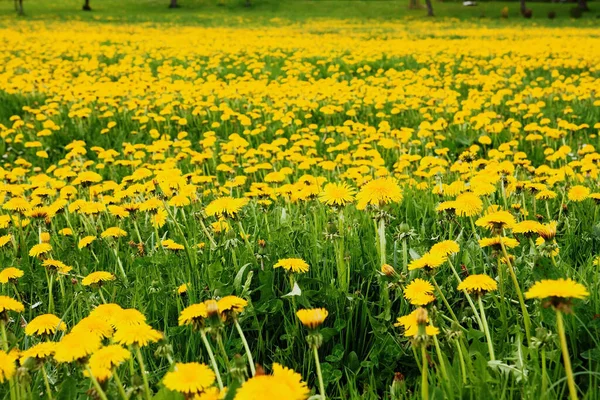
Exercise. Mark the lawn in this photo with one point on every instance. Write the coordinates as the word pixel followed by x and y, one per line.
pixel 267 12
pixel 342 200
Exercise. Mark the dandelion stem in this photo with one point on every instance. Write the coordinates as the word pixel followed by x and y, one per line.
pixel 424 378
pixel 101 295
pixel 565 353
pixel 544 385
pixel 4 337
pixel 120 387
pixel 454 318
pixel 222 349
pixel 381 240
pixel 246 347
pixel 99 390
pixel 461 359
pixel 486 330
pixel 526 319
pixel 244 236
pixel 212 358
pixel 319 374
pixel 46 382
pixel 468 296
pixel 140 358
pixel 18 296
pixel 49 278
pixel 207 233
pixel 440 359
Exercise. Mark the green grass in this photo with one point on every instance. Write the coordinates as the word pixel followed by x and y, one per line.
pixel 204 12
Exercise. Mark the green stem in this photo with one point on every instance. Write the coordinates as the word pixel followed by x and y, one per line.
pixel 207 233
pixel 4 337
pixel 381 240
pixel 319 374
pixel 246 347
pixel 544 377
pixel 441 360
pixel 212 358
pixel 526 319
pixel 461 359
pixel 223 351
pixel 49 278
pixel 468 296
pixel 486 330
pixel 120 265
pixel 46 382
pixel 244 236
pixel 454 318
pixel 99 390
pixel 565 353
pixel 17 295
pixel 101 295
pixel 424 378
pixel 140 358
pixel 119 385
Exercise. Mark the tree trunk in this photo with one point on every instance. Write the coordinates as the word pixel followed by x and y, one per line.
pixel 20 10
pixel 173 4
pixel 429 8
pixel 523 7
pixel 248 3
pixel 583 5
pixel 86 6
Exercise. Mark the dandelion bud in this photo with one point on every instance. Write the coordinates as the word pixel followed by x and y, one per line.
pixel 45 237
pixel 259 370
pixel 212 308
pixel 398 385
pixel 421 316
pixel 388 270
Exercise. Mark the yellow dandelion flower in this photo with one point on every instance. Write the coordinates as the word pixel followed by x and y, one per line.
pixel 189 378
pixel 337 194
pixel 283 384
pixel 578 193
pixel 140 335
pixel 478 283
pixel 193 314
pixel 97 278
pixel 94 326
pixel 428 260
pixel 10 304
pixel 85 242
pixel 75 346
pixel 312 318
pixel 40 250
pixel 497 241
pixel 468 205
pixel 379 192
pixel 292 265
pixel 446 247
pixel 46 324
pixel 8 366
pixel 114 232
pixel 419 292
pixel 39 352
pixel 225 207
pixel 10 274
pixel 557 288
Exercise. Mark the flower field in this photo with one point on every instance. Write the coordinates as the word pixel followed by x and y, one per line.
pixel 330 209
